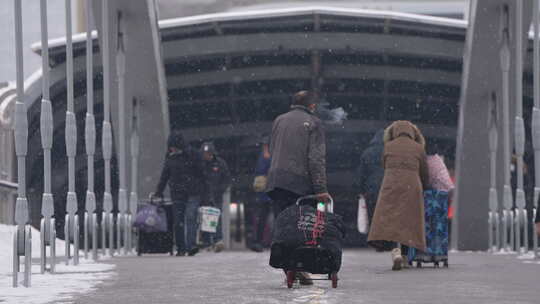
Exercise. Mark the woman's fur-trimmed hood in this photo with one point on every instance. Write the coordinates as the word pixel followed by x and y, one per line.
pixel 404 128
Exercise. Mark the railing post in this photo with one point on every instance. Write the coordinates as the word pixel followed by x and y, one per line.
pixel 90 218
pixel 133 199
pixel 22 239
pixel 519 131
pixel 508 219
pixel 72 220
pixel 48 230
pixel 493 201
pixel 122 223
pixel 226 218
pixel 536 116
pixel 107 220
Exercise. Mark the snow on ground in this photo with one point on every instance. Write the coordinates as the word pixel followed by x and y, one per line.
pixel 6 242
pixel 526 256
pixel 67 281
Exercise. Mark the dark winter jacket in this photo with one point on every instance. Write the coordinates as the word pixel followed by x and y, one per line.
pixel 183 172
pixel 370 173
pixel 217 178
pixel 298 152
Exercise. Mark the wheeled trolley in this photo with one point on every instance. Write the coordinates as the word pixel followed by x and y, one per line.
pixel 314 244
pixel 157 242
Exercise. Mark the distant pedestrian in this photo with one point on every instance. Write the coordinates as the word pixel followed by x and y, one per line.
pixel 218 178
pixel 369 174
pixel 399 213
pixel 298 151
pixel 183 173
pixel 263 203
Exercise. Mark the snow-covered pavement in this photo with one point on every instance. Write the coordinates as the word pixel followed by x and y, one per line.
pixel 245 277
pixel 68 281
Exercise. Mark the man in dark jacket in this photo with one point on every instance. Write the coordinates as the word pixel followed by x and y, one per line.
pixel 370 173
pixel 184 174
pixel 298 151
pixel 218 179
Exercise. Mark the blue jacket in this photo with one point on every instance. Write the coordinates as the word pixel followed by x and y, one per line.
pixel 261 169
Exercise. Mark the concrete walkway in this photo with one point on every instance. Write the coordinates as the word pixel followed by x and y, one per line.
pixel 244 277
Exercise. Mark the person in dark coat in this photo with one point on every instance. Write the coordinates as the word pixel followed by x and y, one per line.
pixel 370 173
pixel 263 203
pixel 218 178
pixel 298 151
pixel 399 214
pixel 183 172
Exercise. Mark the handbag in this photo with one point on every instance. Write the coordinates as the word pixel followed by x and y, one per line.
pixel 259 183
pixel 362 220
pixel 151 218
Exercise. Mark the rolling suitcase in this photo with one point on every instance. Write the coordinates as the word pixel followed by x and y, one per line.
pixel 158 242
pixel 436 225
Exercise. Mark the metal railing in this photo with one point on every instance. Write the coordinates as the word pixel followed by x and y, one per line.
pixel 108 225
pixel 513 217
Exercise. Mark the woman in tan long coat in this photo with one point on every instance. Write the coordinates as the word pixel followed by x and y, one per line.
pixel 399 215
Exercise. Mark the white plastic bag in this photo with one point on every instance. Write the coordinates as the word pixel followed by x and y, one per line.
pixel 209 217
pixel 362 216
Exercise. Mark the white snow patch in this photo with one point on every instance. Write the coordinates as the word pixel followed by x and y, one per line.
pixel 6 243
pixel 526 256
pixel 504 252
pixel 67 280
pixel 532 262
pixel 46 288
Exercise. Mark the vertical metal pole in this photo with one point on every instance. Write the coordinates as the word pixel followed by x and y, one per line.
pixel 493 201
pixel 71 137
pixel 134 200
pixel 120 70
pixel 90 135
pixel 107 130
pixel 505 67
pixel 536 114
pixel 46 125
pixel 21 149
pixel 519 126
pixel 226 218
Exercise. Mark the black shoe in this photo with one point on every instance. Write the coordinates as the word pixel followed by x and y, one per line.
pixel 180 253
pixel 193 251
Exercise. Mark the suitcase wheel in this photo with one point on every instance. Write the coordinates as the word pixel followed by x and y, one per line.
pixel 334 278
pixel 290 278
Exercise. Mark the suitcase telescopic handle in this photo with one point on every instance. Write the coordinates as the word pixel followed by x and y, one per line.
pixel 328 206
